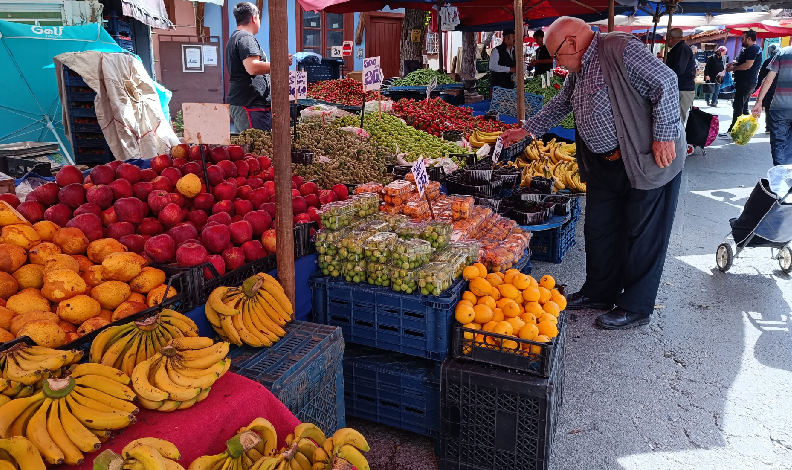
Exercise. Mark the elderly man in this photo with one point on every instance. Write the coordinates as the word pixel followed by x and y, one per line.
pixel 683 62
pixel 631 150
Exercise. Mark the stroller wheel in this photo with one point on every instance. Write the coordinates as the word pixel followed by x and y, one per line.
pixel 724 257
pixel 785 259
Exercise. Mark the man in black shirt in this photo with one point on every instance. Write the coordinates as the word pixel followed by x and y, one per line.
pixel 502 63
pixel 248 67
pixel 682 61
pixel 746 74
pixel 712 74
pixel 543 62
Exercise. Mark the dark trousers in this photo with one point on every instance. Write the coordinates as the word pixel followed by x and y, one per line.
pixel 742 93
pixel 627 232
pixel 780 123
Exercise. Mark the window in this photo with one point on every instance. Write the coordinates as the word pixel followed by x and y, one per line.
pixel 319 31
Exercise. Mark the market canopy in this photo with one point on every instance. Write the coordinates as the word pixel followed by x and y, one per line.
pixel 630 23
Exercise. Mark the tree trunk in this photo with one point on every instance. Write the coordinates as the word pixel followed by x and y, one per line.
pixel 409 50
pixel 487 38
pixel 469 49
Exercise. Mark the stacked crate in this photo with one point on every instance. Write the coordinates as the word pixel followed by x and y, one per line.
pixel 88 141
pixel 120 29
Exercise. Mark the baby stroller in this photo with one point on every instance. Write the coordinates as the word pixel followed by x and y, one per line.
pixel 766 221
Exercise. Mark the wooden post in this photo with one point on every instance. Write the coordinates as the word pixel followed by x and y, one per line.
pixel 281 143
pixel 611 14
pixel 440 48
pixel 520 58
pixel 670 8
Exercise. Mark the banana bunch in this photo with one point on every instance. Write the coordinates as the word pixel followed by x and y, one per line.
pixel 19 453
pixel 235 456
pixel 73 415
pixel 342 451
pixel 553 151
pixel 26 367
pixel 251 314
pixel 126 346
pixel 555 161
pixel 477 139
pixel 181 374
pixel 147 453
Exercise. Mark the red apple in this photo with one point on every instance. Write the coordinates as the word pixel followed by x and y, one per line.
pixel 235 152
pixel 147 175
pixel 241 231
pixel 114 165
pixel 268 240
pixel 120 229
pixel 269 208
pixel 11 199
pixel 223 206
pixel 121 189
pixel 244 192
pixel 259 197
pixel 298 205
pixel 160 162
pixel 88 208
pixel 142 190
pixel 134 243
pixel 183 232
pixel 102 174
pixel 179 162
pixel 260 221
pixel 181 151
pixel 178 199
pixel 217 263
pixel 253 250
pixel 270 187
pixel 242 168
pixel 172 174
pixel 101 195
pixel 69 174
pixel 253 165
pixel 225 191
pixel 109 216
pixel 302 219
pixel 59 214
pixel 150 226
pixel 309 188
pixel 195 152
pixel 269 174
pixel 129 172
pixel 229 169
pixel 130 209
pixel 219 154
pixel 312 200
pixel 161 248
pixel 170 215
pixel 204 201
pixel 191 254
pixel 264 163
pixel 216 238
pixel 33 211
pixel 297 180
pixel 194 168
pixel 341 191
pixel 47 194
pixel 222 218
pixel 242 207
pixel 327 196
pixel 157 200
pixel 162 183
pixel 234 258
pixel 198 218
pixel 255 182
pixel 90 224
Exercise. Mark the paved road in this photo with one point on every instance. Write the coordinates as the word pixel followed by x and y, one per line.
pixel 708 384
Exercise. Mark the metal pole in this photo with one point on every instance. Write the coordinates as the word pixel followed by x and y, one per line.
pixel 281 144
pixel 440 48
pixel 670 7
pixel 518 54
pixel 611 14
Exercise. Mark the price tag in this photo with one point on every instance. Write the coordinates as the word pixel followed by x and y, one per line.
pixel 298 85
pixel 421 178
pixel 372 74
pixel 430 88
pixel 336 51
pixel 498 150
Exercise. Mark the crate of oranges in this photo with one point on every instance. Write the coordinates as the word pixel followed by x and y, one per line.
pixel 509 319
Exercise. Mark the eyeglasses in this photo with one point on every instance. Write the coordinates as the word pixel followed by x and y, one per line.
pixel 556 54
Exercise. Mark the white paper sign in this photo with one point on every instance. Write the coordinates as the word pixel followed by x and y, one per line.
pixel 191 58
pixel 336 51
pixel 498 150
pixel 372 74
pixel 430 88
pixel 298 85
pixel 421 178
pixel 210 55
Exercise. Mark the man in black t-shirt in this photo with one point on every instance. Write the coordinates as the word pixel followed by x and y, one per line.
pixel 746 73
pixel 544 61
pixel 248 68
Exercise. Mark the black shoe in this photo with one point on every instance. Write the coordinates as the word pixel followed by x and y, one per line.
pixel 621 319
pixel 578 301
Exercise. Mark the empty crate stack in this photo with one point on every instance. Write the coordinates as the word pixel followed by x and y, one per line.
pixel 88 141
pixel 120 29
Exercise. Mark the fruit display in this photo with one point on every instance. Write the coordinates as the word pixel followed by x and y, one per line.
pixel 551 160
pixel 534 86
pixel 125 346
pixel 461 207
pixel 181 374
pixel 512 304
pixel 437 233
pixel 369 187
pixel 345 157
pixel 455 257
pixel 410 230
pixel 327 246
pixel 435 116
pixel 147 453
pixel 399 138
pixel 434 278
pixel 478 139
pixel 410 254
pixel 344 91
pixel 393 220
pixel 378 247
pixel 72 415
pixel 337 215
pixel 365 204
pixel 235 456
pixel 26 367
pixel 19 453
pixel 251 314
pixel 422 77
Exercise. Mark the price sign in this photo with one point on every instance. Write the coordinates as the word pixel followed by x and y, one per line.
pixel 336 51
pixel 498 150
pixel 298 85
pixel 421 178
pixel 372 74
pixel 347 48
pixel 430 88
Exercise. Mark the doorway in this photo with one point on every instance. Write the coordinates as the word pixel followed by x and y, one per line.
pixel 383 39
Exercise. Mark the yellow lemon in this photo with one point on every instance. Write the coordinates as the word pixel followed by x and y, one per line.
pixel 482 314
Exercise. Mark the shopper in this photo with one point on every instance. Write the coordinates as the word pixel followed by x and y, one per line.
pixel 714 72
pixel 779 113
pixel 248 68
pixel 631 150
pixel 502 63
pixel 746 71
pixel 772 49
pixel 543 62
pixel 682 61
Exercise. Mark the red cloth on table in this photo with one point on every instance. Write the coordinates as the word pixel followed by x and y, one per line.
pixel 234 402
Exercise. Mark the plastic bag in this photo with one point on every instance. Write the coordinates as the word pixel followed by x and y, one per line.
pixel 744 129
pixel 780 178
pixel 322 111
pixel 377 106
pixel 307 58
pixel 362 133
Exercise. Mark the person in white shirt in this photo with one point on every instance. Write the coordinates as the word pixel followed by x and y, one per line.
pixel 502 63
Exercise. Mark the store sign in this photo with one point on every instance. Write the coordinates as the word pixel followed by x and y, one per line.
pixel 498 150
pixel 298 85
pixel 347 48
pixel 431 87
pixel 200 123
pixel 415 35
pixel 336 51
pixel 372 74
pixel 210 55
pixel 421 178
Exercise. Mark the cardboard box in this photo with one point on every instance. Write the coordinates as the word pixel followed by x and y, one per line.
pixel 356 75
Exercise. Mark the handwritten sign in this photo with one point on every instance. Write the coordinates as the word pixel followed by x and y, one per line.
pixel 421 178
pixel 430 88
pixel 336 51
pixel 372 74
pixel 200 123
pixel 298 85
pixel 498 150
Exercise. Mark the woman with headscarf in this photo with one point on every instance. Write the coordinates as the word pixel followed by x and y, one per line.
pixel 772 50
pixel 713 73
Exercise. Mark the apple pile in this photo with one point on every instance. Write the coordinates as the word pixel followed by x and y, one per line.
pixel 166 214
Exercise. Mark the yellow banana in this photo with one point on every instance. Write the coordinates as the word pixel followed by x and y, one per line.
pixel 171 465
pixel 168 314
pixel 194 382
pixel 12 410
pixel 216 301
pixel 202 396
pixel 198 342
pixel 78 434
pixel 207 462
pixel 187 404
pixel 265 298
pixel 150 458
pixel 309 431
pixel 38 435
pixel 28 361
pixel 307 448
pixel 353 456
pixel 212 316
pixel 349 436
pixel 94 419
pixel 105 338
pixel 88 368
pixel 216 368
pixel 246 336
pixel 14 372
pixel 92 404
pixel 230 331
pixel 143 388
pixel 276 291
pixel 175 392
pixel 218 352
pixel 71 454
pixel 23 452
pixel 166 449
pixel 117 349
pixel 109 400
pixel 109 386
pixel 169 405
pixel 264 324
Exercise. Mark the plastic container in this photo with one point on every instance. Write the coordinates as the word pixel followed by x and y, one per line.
pixel 394 220
pixel 379 274
pixel 410 254
pixel 303 243
pixel 375 188
pixel 397 192
pixel 417 209
pixel 377 248
pixel 494 419
pixel 435 278
pixel 553 244
pixel 303 370
pixel 404 280
pixel 453 257
pixel 354 271
pixel 391 209
pixel 365 204
pixel 351 246
pixel 336 215
pixel 470 248
pixel 371 226
pixel 410 230
pixel 432 190
pixel 382 318
pixel 392 389
pixel 461 207
pixel 437 233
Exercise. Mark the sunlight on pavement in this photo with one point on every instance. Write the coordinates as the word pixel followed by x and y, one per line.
pixel 718 195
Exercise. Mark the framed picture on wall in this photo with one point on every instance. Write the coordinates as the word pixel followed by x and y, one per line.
pixel 192 58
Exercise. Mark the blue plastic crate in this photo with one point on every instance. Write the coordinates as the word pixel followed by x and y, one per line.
pixel 553 244
pixel 85 127
pixel 124 43
pixel 303 370
pixel 84 141
pixel 72 78
pixel 392 389
pixel 92 155
pixel 379 317
pixel 75 111
pixel 73 95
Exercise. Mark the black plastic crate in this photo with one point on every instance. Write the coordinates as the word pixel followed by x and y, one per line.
pixel 78 94
pixel 392 389
pixel 496 419
pixel 89 139
pixel 92 155
pixel 318 73
pixel 435 173
pixel 553 244
pixel 19 167
pixel 303 241
pixel 537 359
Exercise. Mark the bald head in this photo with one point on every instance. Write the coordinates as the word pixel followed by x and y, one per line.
pixel 573 36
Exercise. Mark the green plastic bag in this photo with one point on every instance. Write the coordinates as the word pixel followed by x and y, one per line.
pixel 744 129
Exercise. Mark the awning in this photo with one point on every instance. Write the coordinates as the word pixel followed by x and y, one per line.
pixel 150 12
pixel 628 23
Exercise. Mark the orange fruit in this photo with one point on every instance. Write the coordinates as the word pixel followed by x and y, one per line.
pixel 493 341
pixel 470 296
pixel 494 279
pixel 533 281
pixel 466 302
pixel 503 328
pixel 559 299
pixel 501 275
pixel 509 344
pixel 482 269
pixel 539 339
pixel 509 276
pixel 489 326
pixel 521 308
pixel 472 326
pixel 531 294
pixel 495 294
pixel 479 338
pixel 547 282
pixel 521 281
pixel 464 313
pixel 516 323
pixel 547 317
pixel 482 314
pixel 528 317
pixel 470 272
pixel 551 307
pixel 503 301
pixel 511 309
pixel 529 331
pixel 497 314
pixel 488 301
pixel 480 287
pixel 544 295
pixel 548 329
pixel 534 308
